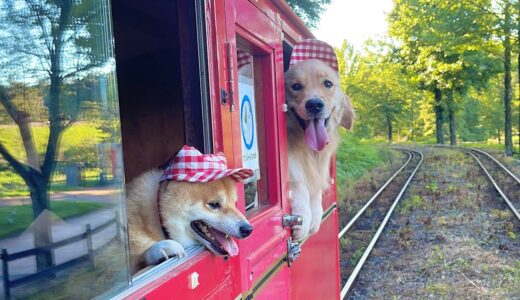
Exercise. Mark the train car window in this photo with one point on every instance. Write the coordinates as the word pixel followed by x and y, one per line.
pixel 251 65
pixel 62 216
pixel 163 86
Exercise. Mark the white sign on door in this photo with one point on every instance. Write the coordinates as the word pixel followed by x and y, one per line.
pixel 246 94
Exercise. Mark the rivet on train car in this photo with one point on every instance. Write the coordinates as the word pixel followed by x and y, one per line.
pixel 193 280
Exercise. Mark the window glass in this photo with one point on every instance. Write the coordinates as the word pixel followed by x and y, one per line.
pixel 61 182
pixel 250 65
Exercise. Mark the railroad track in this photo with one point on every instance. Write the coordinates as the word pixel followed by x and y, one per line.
pixel 367 225
pixel 505 182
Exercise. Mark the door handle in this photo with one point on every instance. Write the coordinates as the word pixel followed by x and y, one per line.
pixel 291 220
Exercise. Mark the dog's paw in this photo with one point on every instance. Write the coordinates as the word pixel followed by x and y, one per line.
pixel 299 232
pixel 163 250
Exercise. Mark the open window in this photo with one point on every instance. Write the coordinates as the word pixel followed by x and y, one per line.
pixel 163 84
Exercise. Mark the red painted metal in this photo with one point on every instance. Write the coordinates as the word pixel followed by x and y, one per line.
pixel 264 24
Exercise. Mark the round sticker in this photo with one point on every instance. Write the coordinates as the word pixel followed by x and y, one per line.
pixel 247 122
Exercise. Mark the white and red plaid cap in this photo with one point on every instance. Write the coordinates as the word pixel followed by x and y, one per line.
pixel 314 49
pixel 190 165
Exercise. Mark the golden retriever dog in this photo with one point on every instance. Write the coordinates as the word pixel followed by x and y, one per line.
pixel 189 213
pixel 317 107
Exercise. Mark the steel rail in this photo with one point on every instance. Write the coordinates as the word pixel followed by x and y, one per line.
pixel 498 163
pixel 369 202
pixel 368 250
pixel 499 190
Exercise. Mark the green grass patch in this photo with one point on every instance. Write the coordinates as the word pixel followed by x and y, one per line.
pixel 356 157
pixel 80 137
pixel 12 185
pixel 412 203
pixel 17 218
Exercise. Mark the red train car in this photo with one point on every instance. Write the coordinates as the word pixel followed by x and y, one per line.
pixel 206 73
pixel 214 54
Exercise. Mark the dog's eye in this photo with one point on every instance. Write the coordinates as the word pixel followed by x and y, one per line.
pixel 214 205
pixel 328 84
pixel 297 86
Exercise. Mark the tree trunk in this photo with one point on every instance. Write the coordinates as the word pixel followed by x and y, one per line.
pixel 519 90
pixel 508 136
pixel 389 128
pixel 499 135
pixel 438 116
pixel 451 118
pixel 413 121
pixel 42 228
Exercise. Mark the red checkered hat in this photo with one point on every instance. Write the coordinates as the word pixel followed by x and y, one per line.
pixel 314 49
pixel 190 165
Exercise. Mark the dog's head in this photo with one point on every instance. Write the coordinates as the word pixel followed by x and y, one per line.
pixel 316 102
pixel 205 212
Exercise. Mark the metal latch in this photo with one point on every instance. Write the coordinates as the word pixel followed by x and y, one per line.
pixel 293 251
pixel 291 220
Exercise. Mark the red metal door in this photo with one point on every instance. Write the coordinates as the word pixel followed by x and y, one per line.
pixel 255 39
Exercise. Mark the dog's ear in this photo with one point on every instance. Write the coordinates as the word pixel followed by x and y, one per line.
pixel 347 119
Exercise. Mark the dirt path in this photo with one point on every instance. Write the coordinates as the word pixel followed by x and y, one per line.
pixel 450 238
pixel 98 194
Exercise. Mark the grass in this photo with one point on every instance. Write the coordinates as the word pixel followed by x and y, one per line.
pixel 12 185
pixel 77 146
pixel 14 219
pixel 355 158
pixel 80 135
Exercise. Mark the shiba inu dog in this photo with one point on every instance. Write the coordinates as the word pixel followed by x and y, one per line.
pixel 191 202
pixel 317 107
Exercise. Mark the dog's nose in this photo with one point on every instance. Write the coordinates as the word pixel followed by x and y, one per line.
pixel 245 230
pixel 314 106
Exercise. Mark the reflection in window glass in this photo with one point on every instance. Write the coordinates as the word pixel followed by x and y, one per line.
pixel 251 127
pixel 60 153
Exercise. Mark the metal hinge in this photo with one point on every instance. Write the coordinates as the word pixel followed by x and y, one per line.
pixel 293 251
pixel 231 77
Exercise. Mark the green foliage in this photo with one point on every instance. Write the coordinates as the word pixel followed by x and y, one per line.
pixel 15 219
pixel 454 48
pixel 412 203
pixel 384 95
pixel 308 10
pixel 355 158
pixel 77 145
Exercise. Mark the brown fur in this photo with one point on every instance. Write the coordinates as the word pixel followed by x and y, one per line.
pixel 181 203
pixel 309 170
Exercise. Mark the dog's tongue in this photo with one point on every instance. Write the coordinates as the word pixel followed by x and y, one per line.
pixel 316 135
pixel 228 244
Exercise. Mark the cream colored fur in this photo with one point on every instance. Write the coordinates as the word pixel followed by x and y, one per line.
pixel 309 170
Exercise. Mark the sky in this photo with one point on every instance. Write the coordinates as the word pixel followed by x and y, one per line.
pixel 353 20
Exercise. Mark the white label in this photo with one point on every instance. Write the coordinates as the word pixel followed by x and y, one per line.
pixel 249 136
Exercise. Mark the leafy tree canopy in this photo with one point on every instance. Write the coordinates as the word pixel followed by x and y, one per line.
pixel 308 10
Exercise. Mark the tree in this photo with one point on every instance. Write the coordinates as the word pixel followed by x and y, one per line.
pixel 46 42
pixel 446 43
pixel 382 93
pixel 308 10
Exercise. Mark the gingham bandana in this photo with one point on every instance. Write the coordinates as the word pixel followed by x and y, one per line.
pixel 314 49
pixel 190 165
